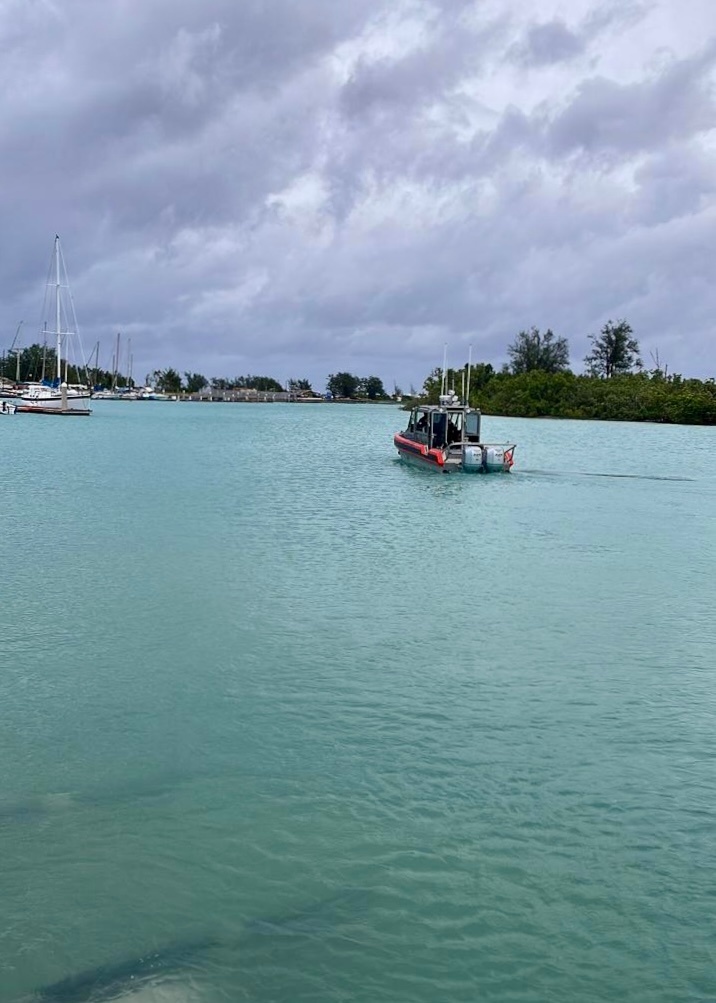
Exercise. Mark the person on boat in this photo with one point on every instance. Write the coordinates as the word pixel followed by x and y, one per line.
pixel 439 422
pixel 453 434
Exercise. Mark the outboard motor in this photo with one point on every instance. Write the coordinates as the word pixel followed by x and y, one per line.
pixel 495 458
pixel 473 460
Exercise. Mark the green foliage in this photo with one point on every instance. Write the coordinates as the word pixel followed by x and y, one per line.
pixel 265 384
pixel 30 362
pixel 480 375
pixel 300 387
pixel 614 351
pixel 372 388
pixel 195 382
pixel 342 384
pixel 346 385
pixel 626 397
pixel 168 381
pixel 532 350
pixel 540 386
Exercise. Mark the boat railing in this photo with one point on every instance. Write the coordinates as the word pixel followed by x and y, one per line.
pixel 486 445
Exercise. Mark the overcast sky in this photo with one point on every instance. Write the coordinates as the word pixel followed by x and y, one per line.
pixel 295 187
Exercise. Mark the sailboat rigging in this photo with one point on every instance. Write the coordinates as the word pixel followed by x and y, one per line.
pixel 56 396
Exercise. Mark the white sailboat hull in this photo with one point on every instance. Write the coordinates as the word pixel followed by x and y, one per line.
pixel 53 402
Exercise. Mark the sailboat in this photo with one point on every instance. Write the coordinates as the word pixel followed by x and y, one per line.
pixel 55 396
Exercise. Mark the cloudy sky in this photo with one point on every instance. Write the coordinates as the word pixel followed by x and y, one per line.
pixel 295 187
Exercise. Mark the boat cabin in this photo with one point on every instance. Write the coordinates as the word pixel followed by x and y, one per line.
pixel 439 426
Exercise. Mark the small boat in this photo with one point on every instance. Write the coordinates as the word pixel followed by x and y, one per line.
pixel 446 437
pixel 7 408
pixel 56 397
pixel 51 398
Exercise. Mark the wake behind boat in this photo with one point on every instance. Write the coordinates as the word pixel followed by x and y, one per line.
pixel 55 396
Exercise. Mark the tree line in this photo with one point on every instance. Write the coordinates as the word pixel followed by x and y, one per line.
pixel 537 382
pixel 343 385
pixel 37 362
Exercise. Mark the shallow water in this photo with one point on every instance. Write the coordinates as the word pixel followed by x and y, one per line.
pixel 282 719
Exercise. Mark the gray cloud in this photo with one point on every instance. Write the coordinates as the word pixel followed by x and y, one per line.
pixel 551 42
pixel 610 118
pixel 297 188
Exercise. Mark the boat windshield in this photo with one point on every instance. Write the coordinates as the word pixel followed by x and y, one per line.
pixel 418 425
pixel 439 431
pixel 472 426
pixel 454 429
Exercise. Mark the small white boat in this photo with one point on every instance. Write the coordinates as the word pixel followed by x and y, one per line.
pixel 7 408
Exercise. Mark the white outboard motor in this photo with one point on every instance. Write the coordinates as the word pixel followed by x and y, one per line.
pixel 473 460
pixel 495 458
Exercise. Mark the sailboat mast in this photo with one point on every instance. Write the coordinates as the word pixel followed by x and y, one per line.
pixel 44 353
pixel 57 309
pixel 16 350
pixel 116 365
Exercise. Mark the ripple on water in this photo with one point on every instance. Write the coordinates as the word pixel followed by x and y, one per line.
pixel 352 731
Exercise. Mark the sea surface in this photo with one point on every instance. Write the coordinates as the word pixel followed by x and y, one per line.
pixel 284 720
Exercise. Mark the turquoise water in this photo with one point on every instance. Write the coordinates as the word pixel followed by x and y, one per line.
pixel 284 720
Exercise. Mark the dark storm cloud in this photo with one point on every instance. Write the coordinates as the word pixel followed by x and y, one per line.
pixel 317 185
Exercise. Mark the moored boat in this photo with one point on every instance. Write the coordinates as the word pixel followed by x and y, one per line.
pixel 56 397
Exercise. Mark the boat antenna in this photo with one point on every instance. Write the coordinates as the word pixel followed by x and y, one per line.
pixel 469 367
pixel 443 385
